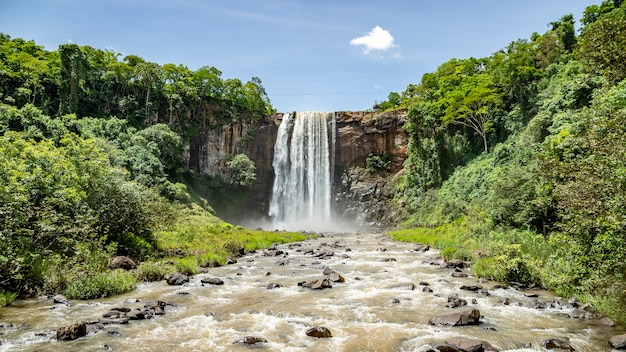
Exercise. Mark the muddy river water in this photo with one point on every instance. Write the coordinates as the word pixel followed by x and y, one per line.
pixel 381 306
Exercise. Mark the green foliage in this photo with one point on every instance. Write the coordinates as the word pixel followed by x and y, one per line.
pixel 544 205
pixel 101 285
pixel 375 163
pixel 240 170
pixel 6 298
pixel 187 266
pixel 152 271
pixel 602 45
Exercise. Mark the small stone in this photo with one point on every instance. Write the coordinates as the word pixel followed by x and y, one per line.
pixel 319 332
pixel 557 344
pixel 274 285
pixel 471 287
pixel 60 299
pixel 251 340
pixel 212 281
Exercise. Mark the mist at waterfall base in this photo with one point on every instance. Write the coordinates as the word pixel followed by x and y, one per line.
pixel 303 166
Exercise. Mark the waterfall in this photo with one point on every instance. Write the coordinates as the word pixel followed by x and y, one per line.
pixel 303 167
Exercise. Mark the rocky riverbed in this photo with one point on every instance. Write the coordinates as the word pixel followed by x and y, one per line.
pixel 337 292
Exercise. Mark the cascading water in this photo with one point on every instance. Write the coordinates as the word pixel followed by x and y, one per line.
pixel 303 167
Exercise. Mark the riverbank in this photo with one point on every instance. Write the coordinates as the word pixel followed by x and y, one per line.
pixel 189 243
pixel 524 258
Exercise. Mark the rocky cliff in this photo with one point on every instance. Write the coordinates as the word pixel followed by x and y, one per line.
pixel 361 195
pixel 366 194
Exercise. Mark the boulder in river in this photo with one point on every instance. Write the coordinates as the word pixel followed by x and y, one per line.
pixel 60 299
pixel 274 285
pixel 72 331
pixel 456 263
pixel 470 345
pixel 176 279
pixel 316 284
pixel 471 287
pixel 122 262
pixel 468 316
pixel 333 276
pixel 559 344
pixel 319 332
pixel 618 342
pixel 212 281
pixel 454 302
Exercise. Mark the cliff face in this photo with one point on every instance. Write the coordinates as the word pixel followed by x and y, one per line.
pixel 361 196
pixel 207 151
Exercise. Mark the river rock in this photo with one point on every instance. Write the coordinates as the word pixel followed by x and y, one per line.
pixel 560 344
pixel 122 262
pixel 318 284
pixel 470 345
pixel 606 322
pixel 72 331
pixel 444 348
pixel 333 276
pixel 319 332
pixel 251 340
pixel 468 316
pixel 471 287
pixel 618 342
pixel 274 285
pixel 458 274
pixel 60 299
pixel 454 302
pixel 137 314
pixel 230 261
pixel 212 281
pixel 456 263
pixel 176 279
pixel 324 254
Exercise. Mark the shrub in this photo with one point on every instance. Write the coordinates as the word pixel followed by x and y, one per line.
pixel 6 298
pixel 211 260
pixel 375 163
pixel 187 266
pixel 101 285
pixel 150 271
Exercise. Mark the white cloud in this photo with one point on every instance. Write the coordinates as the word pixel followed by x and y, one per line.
pixel 376 39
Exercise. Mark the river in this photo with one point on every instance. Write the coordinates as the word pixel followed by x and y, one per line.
pixel 381 306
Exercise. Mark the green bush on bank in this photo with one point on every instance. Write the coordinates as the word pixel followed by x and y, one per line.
pixel 152 271
pixel 101 285
pixel 6 298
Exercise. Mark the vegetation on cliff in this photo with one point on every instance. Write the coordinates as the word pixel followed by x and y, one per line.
pixel 91 167
pixel 521 154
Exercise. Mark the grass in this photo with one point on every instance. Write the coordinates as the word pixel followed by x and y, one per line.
pixel 449 238
pixel 101 285
pixel 152 271
pixel 6 298
pixel 211 241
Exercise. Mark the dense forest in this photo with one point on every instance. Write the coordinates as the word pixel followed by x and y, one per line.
pixel 520 159
pixel 91 166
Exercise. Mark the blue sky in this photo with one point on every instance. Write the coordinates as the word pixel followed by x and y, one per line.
pixel 310 55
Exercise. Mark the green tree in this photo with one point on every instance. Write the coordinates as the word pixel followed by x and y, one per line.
pixel 241 170
pixel 474 103
pixel 602 45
